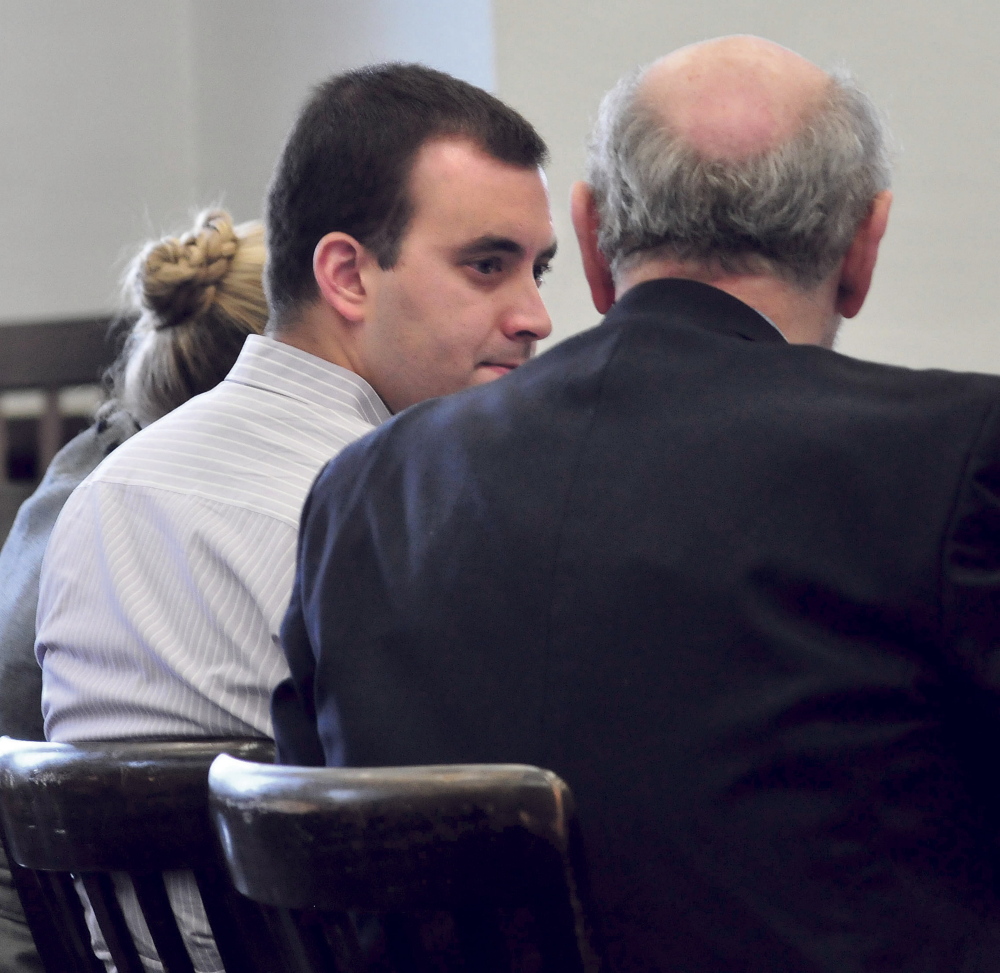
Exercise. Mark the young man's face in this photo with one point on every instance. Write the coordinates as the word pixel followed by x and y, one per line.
pixel 461 306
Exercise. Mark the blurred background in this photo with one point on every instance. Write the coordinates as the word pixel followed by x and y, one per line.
pixel 119 119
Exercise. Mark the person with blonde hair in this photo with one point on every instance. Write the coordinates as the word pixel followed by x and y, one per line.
pixel 197 297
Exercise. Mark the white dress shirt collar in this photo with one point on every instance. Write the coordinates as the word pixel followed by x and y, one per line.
pixel 278 367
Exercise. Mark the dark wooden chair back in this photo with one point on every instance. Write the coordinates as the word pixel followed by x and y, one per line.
pixel 140 807
pixel 470 841
pixel 46 356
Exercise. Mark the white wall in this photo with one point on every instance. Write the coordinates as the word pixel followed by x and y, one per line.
pixel 255 61
pixel 96 143
pixel 118 118
pixel 934 67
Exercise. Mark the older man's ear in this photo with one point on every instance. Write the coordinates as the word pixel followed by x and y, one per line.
pixel 585 222
pixel 858 264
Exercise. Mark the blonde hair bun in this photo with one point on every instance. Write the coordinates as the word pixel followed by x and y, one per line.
pixel 177 279
pixel 197 297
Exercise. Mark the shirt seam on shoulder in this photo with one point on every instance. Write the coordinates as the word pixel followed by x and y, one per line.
pixel 194 495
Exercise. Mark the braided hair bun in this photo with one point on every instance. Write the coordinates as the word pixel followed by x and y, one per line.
pixel 179 277
pixel 197 297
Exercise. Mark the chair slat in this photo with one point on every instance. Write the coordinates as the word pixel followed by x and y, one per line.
pixel 55 918
pixel 138 808
pixel 481 940
pixel 244 930
pixel 155 905
pixel 314 942
pixel 100 891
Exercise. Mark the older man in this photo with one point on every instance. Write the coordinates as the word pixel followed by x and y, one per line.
pixel 741 592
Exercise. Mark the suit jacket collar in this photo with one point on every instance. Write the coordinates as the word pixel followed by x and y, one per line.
pixel 699 305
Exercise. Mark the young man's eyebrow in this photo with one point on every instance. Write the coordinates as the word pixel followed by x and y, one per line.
pixel 501 244
pixel 491 244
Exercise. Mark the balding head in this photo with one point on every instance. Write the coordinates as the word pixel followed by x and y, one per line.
pixel 734 97
pixel 736 156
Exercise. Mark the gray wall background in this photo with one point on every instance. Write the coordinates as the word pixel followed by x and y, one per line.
pixel 119 118
pixel 934 67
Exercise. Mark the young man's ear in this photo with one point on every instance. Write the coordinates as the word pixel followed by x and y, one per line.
pixel 583 211
pixel 337 265
pixel 859 261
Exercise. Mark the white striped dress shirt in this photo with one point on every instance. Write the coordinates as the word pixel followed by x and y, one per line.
pixel 169 570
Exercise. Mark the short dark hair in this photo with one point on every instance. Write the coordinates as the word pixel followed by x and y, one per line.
pixel 347 161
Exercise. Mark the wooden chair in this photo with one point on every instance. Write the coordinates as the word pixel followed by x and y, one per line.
pixel 470 840
pixel 139 807
pixel 48 356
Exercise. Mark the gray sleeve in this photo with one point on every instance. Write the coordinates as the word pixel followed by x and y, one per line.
pixel 20 566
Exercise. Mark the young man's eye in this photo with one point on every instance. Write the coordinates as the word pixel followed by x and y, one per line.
pixel 487 265
pixel 540 271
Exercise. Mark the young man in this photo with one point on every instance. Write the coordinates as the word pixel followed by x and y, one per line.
pixel 408 229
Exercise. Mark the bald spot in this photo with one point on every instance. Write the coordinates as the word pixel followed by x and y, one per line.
pixel 733 97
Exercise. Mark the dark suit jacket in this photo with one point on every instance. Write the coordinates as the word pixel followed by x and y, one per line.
pixel 741 595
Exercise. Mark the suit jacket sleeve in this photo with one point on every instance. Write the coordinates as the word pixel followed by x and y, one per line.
pixel 293 707
pixel 971 564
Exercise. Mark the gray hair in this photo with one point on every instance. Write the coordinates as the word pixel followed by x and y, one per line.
pixel 792 210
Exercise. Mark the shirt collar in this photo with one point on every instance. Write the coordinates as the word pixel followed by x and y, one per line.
pixel 690 301
pixel 281 368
